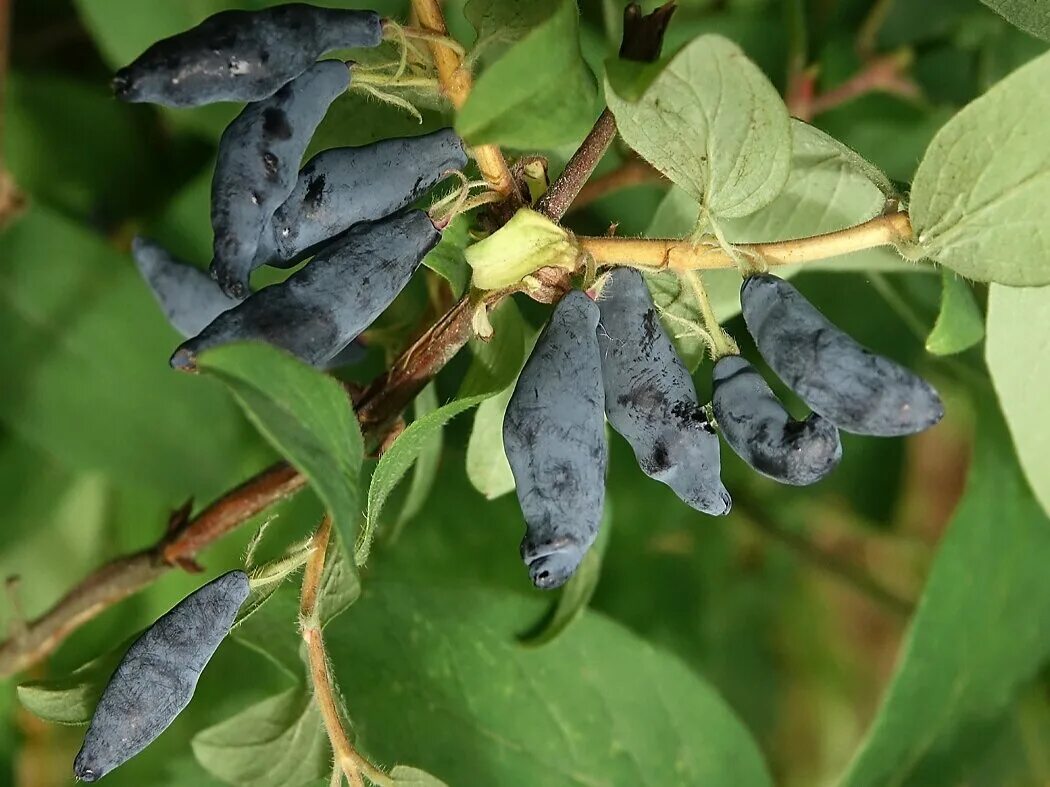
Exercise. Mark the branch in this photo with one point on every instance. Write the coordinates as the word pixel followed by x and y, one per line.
pixel 352 764
pixel 456 83
pixel 884 74
pixel 643 38
pixel 684 255
pixel 12 201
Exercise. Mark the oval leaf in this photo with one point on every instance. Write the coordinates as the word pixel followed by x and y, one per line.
pixel 712 122
pixel 959 325
pixel 305 414
pixel 1032 16
pixel 442 684
pixel 982 192
pixel 953 677
pixel 1018 324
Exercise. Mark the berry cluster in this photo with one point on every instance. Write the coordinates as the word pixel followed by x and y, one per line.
pixel 613 359
pixel 345 207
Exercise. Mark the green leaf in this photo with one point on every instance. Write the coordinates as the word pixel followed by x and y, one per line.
pixel 596 706
pixel 406 776
pixel 712 122
pixel 487 466
pixel 277 742
pixel 829 188
pixel 427 463
pixel 1018 327
pixel 576 594
pixel 71 699
pixel 540 94
pixel 305 414
pixel 1032 16
pixel 493 370
pixel 85 377
pixel 959 325
pixel 447 258
pixel 977 636
pixel 505 21
pixel 982 192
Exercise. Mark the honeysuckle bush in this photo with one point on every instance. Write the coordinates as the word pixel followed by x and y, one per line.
pixel 890 625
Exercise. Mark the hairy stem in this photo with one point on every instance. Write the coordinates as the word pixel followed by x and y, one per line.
pixel 721 343
pixel 352 764
pixel 456 83
pixel 683 255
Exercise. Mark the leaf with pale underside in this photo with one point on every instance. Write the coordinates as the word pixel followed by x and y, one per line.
pixel 711 121
pixel 981 195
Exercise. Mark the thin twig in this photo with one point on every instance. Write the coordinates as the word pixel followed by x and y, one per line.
pixel 456 83
pixel 643 37
pixel 684 255
pixel 847 573
pixel 884 74
pixel 352 764
pixel 12 200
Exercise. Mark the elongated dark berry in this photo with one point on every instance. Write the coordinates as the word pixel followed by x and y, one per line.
pixel 242 55
pixel 554 437
pixel 345 186
pixel 321 308
pixel 855 389
pixel 156 679
pixel 651 400
pixel 259 157
pixel 762 433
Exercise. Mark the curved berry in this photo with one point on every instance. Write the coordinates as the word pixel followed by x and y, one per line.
pixel 651 400
pixel 242 55
pixel 855 389
pixel 321 308
pixel 189 298
pixel 345 186
pixel 156 678
pixel 756 425
pixel 259 156
pixel 554 437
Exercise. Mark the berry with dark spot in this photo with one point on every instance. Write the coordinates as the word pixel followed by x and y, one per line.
pixel 242 55
pixel 156 679
pixel 762 433
pixel 855 389
pixel 259 157
pixel 651 400
pixel 345 186
pixel 554 437
pixel 321 308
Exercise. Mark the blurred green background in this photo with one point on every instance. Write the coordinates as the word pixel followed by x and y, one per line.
pixel 793 608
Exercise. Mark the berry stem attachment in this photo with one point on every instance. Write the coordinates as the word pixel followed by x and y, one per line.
pixel 722 343
pixel 456 83
pixel 683 255
pixel 352 764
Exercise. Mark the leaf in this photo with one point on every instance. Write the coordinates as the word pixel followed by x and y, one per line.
pixel 575 595
pixel 84 372
pixel 829 188
pixel 1032 16
pixel 279 742
pixel 71 699
pixel 959 325
pixel 712 122
pixel 492 370
pixel 428 462
pixel 982 191
pixel 978 634
pixel 539 94
pixel 406 776
pixel 505 21
pixel 447 259
pixel 305 414
pixel 1018 359
pixel 487 466
pixel 526 243
pixel 442 684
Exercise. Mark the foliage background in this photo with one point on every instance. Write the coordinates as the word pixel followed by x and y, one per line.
pixel 772 607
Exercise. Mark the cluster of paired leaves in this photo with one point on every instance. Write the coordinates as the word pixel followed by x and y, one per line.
pixel 711 650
